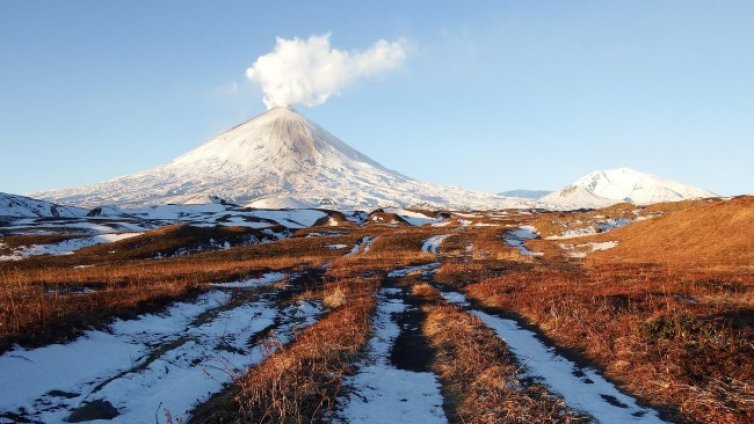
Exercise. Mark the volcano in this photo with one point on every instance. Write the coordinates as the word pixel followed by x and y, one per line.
pixel 279 159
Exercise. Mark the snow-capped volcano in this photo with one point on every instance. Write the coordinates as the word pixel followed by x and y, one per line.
pixel 277 159
pixel 603 188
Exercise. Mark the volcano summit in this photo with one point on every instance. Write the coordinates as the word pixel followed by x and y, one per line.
pixel 275 160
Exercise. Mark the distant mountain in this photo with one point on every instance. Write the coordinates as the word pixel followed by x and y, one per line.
pixel 25 207
pixel 277 159
pixel 526 194
pixel 603 188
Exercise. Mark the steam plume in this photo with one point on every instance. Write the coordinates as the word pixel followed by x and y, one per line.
pixel 309 71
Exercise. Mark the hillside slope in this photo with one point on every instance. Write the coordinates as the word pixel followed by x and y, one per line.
pixel 712 233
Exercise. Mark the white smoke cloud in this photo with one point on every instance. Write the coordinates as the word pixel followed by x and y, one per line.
pixel 309 71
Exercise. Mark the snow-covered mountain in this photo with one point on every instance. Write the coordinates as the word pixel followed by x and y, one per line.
pixel 277 159
pixel 25 207
pixel 526 194
pixel 604 188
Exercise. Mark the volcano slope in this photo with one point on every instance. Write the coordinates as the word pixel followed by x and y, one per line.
pixel 502 316
pixel 279 159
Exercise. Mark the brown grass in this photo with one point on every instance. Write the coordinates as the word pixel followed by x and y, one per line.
pixel 665 337
pixel 550 224
pixel 479 374
pixel 488 243
pixel 426 292
pixel 710 235
pixel 393 248
pixel 168 241
pixel 460 273
pixel 335 297
pixel 30 315
pixel 11 242
pixel 300 382
pixel 667 314
pixel 294 247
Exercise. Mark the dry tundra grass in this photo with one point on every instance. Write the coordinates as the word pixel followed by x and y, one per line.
pixel 664 337
pixel 31 316
pixel 300 382
pixel 713 234
pixel 41 301
pixel 668 314
pixel 426 292
pixel 479 374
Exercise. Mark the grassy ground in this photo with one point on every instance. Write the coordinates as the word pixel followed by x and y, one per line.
pixel 668 314
pixel 666 338
pixel 42 299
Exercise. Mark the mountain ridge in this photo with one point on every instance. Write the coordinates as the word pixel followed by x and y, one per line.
pixel 17 206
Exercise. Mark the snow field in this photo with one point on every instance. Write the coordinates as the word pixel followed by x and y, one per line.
pixel 143 367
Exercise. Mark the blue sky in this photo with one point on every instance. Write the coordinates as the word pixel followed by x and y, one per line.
pixel 494 96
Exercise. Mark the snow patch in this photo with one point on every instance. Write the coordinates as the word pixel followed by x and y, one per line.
pixel 397 273
pixel 517 238
pixel 574 233
pixel 66 247
pixel 416 219
pixel 581 250
pixel 265 280
pixel 296 218
pixel 382 393
pixel 362 245
pixel 433 243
